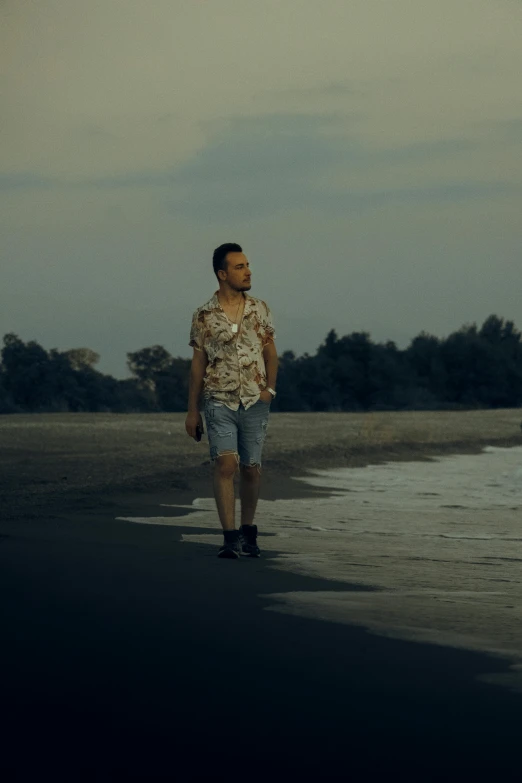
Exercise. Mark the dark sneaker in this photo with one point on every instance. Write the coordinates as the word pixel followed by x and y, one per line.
pixel 248 539
pixel 230 547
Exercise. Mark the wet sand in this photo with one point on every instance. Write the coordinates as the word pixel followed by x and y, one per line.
pixel 127 654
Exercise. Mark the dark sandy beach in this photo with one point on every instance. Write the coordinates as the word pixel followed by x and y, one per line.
pixel 128 655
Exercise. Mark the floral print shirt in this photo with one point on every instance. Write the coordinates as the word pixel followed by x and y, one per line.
pixel 236 370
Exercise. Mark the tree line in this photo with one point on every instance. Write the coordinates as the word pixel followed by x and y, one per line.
pixel 471 368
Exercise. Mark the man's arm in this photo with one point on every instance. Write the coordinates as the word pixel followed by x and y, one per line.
pixel 197 373
pixel 271 364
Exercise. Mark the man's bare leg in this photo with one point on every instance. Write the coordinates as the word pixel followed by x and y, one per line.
pixel 250 480
pixel 225 468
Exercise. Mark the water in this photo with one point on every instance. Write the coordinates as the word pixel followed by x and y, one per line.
pixel 439 543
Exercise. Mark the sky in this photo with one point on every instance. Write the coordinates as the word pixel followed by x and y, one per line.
pixel 366 155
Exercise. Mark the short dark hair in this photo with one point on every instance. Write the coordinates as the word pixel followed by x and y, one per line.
pixel 220 253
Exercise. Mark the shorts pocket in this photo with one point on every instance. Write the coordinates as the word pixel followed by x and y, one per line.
pixel 213 404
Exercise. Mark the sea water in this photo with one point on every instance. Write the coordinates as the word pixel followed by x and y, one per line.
pixel 439 543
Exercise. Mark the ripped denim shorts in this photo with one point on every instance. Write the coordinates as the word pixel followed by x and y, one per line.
pixel 240 432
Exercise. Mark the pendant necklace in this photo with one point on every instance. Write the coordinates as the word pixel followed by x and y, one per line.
pixel 234 326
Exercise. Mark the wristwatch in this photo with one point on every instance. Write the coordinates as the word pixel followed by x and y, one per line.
pixel 272 391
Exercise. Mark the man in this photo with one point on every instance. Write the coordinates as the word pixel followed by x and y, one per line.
pixel 235 365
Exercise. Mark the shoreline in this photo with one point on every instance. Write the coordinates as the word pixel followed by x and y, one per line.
pixel 279 481
pixel 53 464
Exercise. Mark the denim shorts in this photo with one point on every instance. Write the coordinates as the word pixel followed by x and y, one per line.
pixel 240 432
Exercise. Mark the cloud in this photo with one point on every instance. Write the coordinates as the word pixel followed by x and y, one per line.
pixel 257 166
pixel 507 131
pixel 26 180
pixel 262 165
pixel 335 87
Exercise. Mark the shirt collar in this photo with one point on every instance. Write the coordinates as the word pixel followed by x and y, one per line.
pixel 213 303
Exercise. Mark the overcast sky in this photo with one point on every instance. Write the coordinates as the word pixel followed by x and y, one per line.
pixel 366 154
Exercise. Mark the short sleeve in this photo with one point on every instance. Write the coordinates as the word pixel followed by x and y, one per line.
pixel 268 327
pixel 196 333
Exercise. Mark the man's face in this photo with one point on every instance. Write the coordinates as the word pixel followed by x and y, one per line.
pixel 238 272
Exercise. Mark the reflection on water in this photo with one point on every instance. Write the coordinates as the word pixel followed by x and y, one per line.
pixel 441 540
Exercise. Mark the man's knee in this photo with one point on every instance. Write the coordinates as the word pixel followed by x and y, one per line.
pixel 226 465
pixel 250 472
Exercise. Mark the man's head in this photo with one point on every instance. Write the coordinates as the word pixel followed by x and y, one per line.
pixel 231 267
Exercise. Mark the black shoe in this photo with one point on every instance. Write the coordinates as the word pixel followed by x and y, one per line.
pixel 230 547
pixel 248 539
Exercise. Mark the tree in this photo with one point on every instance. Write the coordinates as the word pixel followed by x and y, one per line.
pixel 147 363
pixel 27 375
pixel 81 358
pixel 470 368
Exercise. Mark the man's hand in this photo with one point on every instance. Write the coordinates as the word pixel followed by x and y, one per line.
pixel 265 396
pixel 192 421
